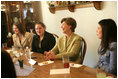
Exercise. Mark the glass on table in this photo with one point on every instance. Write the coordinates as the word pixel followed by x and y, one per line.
pixel 4 46
pixel 14 50
pixel 65 59
pixel 100 73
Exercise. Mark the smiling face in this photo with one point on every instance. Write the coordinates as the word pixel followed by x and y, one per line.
pixel 65 27
pixel 39 29
pixel 99 32
pixel 15 29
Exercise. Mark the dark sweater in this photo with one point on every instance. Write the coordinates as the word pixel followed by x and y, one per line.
pixel 47 43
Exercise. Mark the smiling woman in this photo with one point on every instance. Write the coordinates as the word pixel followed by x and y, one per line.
pixel 21 38
pixel 43 40
pixel 69 44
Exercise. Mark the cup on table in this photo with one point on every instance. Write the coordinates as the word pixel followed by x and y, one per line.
pixel 101 73
pixel 20 63
pixel 4 46
pixel 14 50
pixel 65 59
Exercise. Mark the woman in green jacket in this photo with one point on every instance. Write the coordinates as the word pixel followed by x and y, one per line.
pixel 69 44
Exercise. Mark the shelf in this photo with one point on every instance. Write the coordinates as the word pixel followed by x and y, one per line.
pixel 71 8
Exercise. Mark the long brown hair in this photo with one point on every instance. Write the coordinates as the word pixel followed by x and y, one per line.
pixel 20 28
pixel 109 33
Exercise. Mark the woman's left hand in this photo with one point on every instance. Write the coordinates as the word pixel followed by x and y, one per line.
pixel 50 55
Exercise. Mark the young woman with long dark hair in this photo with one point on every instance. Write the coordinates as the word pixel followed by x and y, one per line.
pixel 107 32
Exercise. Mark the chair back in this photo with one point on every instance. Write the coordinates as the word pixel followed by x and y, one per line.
pixel 83 50
pixel 55 35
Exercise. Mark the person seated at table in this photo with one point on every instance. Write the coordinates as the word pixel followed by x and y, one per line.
pixel 7 66
pixel 4 28
pixel 21 38
pixel 69 44
pixel 43 40
pixel 107 32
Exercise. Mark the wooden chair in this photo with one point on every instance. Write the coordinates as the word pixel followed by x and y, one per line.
pixel 83 50
pixel 55 35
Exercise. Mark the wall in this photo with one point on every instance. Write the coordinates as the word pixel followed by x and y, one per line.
pixel 87 22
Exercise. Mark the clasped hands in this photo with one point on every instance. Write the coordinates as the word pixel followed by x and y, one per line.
pixel 49 55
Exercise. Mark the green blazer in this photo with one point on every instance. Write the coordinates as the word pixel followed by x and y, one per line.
pixel 70 47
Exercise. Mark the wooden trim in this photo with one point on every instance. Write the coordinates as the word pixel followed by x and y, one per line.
pixel 96 4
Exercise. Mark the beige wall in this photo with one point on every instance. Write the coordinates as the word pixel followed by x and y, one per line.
pixel 87 21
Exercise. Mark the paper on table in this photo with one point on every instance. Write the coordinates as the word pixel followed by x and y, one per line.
pixel 31 52
pixel 8 50
pixel 60 71
pixel 32 62
pixel 109 77
pixel 75 65
pixel 23 72
pixel 45 63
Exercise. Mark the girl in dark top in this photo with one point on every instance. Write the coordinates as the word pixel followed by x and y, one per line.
pixel 7 66
pixel 107 32
pixel 43 40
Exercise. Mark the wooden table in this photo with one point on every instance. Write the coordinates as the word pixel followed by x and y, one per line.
pixel 44 71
